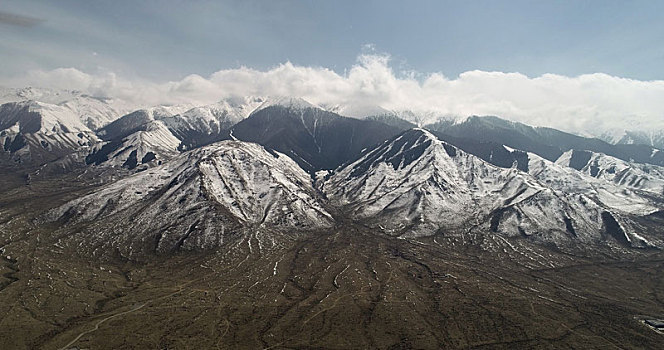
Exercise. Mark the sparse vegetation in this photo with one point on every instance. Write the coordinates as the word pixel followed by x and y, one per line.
pixel 346 287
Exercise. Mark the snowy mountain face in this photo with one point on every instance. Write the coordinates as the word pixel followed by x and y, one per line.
pixel 44 95
pixel 491 152
pixel 292 103
pixel 646 177
pixel 417 185
pixel 200 199
pixel 126 125
pixel 40 132
pixel 135 139
pixel 30 117
pixel 355 111
pixel 150 136
pixel 206 124
pixel 654 138
pixel 158 133
pixel 93 112
pixel 42 126
pixel 362 111
pixel 422 118
pixel 615 196
pixel 152 143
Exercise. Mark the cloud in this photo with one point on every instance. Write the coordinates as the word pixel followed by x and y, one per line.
pixel 18 20
pixel 584 104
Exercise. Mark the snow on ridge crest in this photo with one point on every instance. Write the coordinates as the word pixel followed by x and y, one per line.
pixel 417 184
pixel 255 186
pixel 287 102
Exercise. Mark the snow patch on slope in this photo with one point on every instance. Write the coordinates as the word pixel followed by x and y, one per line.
pixel 630 175
pixel 252 186
pixel 417 185
pixel 213 118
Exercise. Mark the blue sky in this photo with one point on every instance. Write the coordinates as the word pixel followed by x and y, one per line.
pixel 166 40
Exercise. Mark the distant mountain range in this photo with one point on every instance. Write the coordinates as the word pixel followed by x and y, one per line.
pixel 288 163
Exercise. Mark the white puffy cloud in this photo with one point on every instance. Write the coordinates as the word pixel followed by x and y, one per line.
pixel 584 104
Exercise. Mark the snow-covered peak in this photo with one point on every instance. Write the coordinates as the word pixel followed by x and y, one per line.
pixel 286 102
pixel 356 111
pixel 416 184
pixel 93 111
pixel 230 182
pixel 414 145
pixel 160 112
pixel 205 124
pixel 35 133
pixel 418 181
pixel 152 143
pixel 230 110
pixel 418 117
pixel 603 189
pixel 647 177
pixel 165 111
pixel 127 124
pixel 425 117
pixel 45 95
pixel 39 117
pixel 651 136
pixel 202 199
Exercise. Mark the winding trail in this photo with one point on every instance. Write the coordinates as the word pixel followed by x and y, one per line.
pixel 136 308
pixel 99 323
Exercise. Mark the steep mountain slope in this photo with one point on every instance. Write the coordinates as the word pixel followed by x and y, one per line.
pixel 355 111
pixel 316 139
pixel 417 185
pixel 491 152
pixel 421 118
pixel 645 177
pixel 45 95
pixel 93 112
pixel 652 136
pixel 36 117
pixel 366 110
pixel 199 200
pixel 616 196
pixel 159 133
pixel 136 121
pixel 35 132
pixel 545 142
pixel 136 138
pixel 152 143
pixel 392 120
pixel 614 174
pixel 203 125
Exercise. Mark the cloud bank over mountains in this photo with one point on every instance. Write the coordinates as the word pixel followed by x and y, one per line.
pixel 588 102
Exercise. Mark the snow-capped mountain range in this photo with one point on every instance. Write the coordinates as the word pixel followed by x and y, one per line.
pixel 417 184
pixel 205 173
